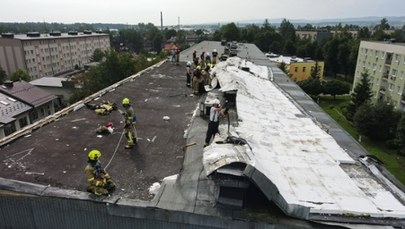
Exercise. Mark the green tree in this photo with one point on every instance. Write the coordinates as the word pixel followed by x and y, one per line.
pixel 20 74
pixel 3 76
pixel 361 94
pixel 330 49
pixel 230 32
pixel 400 135
pixel 97 55
pixel 287 30
pixel 311 86
pixel 283 67
pixel 169 33
pixel 289 48
pixel 336 87
pixel 377 122
pixel 276 47
pixel 316 71
pixel 342 57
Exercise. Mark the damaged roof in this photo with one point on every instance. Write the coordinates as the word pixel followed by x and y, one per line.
pixel 300 160
pixel 288 141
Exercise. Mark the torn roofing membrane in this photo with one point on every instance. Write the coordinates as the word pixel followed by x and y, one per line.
pixel 292 152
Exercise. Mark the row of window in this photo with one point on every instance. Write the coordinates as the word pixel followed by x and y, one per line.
pixel 381 54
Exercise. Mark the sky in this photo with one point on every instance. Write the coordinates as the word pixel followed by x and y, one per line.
pixel 191 12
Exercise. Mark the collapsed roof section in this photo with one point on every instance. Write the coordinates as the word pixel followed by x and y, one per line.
pixel 292 160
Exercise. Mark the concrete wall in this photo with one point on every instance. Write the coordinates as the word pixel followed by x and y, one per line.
pixel 11 55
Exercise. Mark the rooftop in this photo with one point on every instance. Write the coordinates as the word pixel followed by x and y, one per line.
pixel 44 36
pixel 28 93
pixel 10 108
pixel 300 158
pixel 48 81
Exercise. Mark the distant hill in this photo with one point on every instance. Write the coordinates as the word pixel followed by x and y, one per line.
pixel 361 21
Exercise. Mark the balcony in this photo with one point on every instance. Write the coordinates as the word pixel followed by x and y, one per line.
pixel 382 91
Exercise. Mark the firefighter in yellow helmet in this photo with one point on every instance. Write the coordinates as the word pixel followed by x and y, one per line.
pixel 129 123
pixel 99 179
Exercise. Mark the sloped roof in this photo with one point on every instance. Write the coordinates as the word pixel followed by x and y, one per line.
pixel 28 93
pixel 10 108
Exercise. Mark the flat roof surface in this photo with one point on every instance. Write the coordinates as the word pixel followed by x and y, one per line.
pixel 48 36
pixel 48 81
pixel 56 153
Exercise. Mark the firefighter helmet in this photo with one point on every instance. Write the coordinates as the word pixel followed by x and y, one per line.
pixel 125 101
pixel 94 155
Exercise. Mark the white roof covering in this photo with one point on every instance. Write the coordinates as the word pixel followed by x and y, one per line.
pixel 285 59
pixel 292 151
pixel 48 82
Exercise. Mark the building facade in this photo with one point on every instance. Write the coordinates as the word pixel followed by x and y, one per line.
pixel 299 71
pixel 22 104
pixel 49 54
pixel 385 64
pixel 313 35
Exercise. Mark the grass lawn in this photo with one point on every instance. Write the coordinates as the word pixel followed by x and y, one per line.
pixel 392 161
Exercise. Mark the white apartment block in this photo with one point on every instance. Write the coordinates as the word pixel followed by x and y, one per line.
pixel 49 54
pixel 385 63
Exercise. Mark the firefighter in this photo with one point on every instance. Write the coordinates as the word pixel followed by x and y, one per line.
pixel 189 73
pixel 214 57
pixel 99 179
pixel 129 124
pixel 197 80
pixel 206 75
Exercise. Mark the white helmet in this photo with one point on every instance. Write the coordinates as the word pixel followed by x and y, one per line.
pixel 189 63
pixel 216 101
pixel 214 50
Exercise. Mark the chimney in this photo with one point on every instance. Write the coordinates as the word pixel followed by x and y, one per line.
pixel 161 21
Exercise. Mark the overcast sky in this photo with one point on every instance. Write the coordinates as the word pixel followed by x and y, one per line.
pixel 190 11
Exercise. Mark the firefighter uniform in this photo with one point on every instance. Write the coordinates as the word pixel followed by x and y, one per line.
pixel 100 181
pixel 130 131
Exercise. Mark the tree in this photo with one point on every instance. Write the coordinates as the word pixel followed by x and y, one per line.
pixel 289 48
pixel 287 30
pixel 3 76
pixel 336 87
pixel 330 49
pixel 230 32
pixel 311 86
pixel 283 67
pixel 97 55
pixel 400 135
pixel 377 122
pixel 361 94
pixel 20 74
pixel 315 71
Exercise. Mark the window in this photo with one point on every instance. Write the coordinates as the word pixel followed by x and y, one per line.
pixel 303 69
pixel 392 87
pixel 23 122
pixel 9 129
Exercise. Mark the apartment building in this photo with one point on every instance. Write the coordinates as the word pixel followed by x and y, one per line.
pixel 313 35
pixel 49 54
pixel 298 69
pixel 385 64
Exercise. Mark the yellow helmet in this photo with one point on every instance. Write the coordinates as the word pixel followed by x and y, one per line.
pixel 94 155
pixel 125 101
pixel 198 67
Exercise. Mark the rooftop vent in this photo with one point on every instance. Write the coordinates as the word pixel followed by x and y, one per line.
pixel 33 34
pixel 8 83
pixel 73 33
pixel 55 33
pixel 87 32
pixel 7 35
